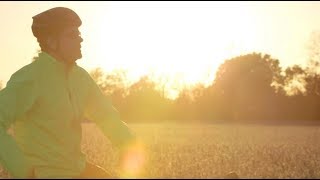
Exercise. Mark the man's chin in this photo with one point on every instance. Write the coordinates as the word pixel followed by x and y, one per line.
pixel 79 56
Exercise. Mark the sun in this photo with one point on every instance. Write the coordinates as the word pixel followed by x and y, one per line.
pixel 181 47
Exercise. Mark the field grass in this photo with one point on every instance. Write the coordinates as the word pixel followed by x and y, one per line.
pixel 211 151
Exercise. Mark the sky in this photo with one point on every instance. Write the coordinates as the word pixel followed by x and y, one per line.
pixel 183 41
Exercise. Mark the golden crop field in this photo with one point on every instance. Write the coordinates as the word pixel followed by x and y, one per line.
pixel 212 151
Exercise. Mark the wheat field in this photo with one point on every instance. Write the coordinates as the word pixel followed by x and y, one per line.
pixel 212 151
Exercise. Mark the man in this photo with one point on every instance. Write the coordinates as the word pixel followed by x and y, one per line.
pixel 45 102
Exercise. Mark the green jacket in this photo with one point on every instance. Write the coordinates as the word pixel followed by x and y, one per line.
pixel 46 103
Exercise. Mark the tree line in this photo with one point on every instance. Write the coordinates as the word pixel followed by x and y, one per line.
pixel 247 88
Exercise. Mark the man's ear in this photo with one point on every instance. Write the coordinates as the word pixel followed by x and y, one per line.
pixel 52 43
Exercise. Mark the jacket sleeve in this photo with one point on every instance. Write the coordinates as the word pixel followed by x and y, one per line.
pixel 15 99
pixel 100 110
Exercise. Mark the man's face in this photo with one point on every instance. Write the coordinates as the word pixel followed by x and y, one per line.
pixel 69 47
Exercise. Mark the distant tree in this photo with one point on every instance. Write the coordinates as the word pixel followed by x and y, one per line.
pixel 313 49
pixel 36 55
pixel 111 82
pixel 313 66
pixel 98 76
pixel 243 87
pixel 162 85
pixel 183 109
pixel 145 103
pixel 188 105
pixel 312 84
pixel 294 82
pixel 1 86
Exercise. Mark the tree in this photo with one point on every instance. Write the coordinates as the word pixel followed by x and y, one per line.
pixel 294 80
pixel 313 48
pixel 111 83
pixel 189 104
pixel 99 77
pixel 145 103
pixel 243 87
pixel 313 66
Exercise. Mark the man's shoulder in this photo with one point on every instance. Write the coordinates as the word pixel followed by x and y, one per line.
pixel 83 75
pixel 82 71
pixel 28 72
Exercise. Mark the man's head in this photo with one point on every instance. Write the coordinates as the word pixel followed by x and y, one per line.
pixel 57 33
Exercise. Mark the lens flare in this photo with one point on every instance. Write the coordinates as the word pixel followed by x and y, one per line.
pixel 133 162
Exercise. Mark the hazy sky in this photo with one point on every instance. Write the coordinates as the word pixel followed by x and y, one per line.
pixel 185 40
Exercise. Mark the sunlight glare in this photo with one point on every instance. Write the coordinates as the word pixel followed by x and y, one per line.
pixel 172 45
pixel 133 163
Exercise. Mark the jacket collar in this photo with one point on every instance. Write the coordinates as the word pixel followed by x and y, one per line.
pixel 59 64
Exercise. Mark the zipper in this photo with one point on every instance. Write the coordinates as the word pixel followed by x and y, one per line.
pixel 74 116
